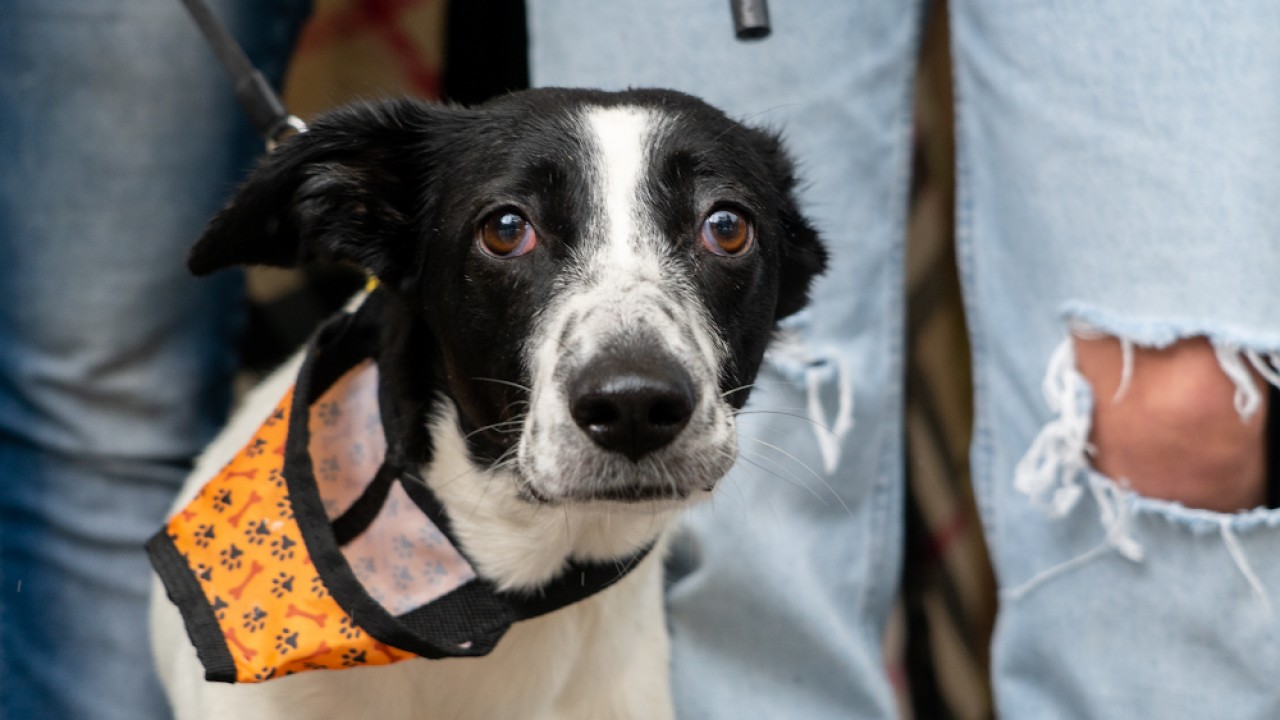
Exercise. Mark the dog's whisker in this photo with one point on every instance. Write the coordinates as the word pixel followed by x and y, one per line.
pixel 480 500
pixel 516 385
pixel 495 426
pixel 798 416
pixel 738 389
pixel 754 409
pixel 786 383
pixel 773 511
pixel 789 478
pixel 806 466
pixel 737 488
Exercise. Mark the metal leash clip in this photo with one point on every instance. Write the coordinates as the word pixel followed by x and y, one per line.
pixel 260 102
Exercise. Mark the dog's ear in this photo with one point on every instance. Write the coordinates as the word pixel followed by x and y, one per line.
pixel 803 255
pixel 803 259
pixel 347 190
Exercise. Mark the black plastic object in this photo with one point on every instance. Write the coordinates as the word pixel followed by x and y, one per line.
pixel 750 19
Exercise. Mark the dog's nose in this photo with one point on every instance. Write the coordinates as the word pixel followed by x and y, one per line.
pixel 632 405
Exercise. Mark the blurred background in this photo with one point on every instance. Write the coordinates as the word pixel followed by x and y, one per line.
pixel 936 645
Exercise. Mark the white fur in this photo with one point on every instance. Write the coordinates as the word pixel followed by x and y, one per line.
pixel 605 657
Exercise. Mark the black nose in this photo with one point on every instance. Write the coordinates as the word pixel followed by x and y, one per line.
pixel 632 405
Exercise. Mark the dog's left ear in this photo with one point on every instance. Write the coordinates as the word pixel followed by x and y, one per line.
pixel 803 255
pixel 347 190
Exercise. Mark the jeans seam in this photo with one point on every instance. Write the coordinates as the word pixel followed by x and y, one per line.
pixel 981 445
pixel 883 514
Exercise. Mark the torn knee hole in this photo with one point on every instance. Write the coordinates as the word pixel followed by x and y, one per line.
pixel 1135 426
pixel 1186 422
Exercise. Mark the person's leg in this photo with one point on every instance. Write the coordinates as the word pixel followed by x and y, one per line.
pixel 1117 236
pixel 782 585
pixel 119 137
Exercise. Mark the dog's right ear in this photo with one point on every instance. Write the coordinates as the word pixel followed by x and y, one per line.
pixel 347 190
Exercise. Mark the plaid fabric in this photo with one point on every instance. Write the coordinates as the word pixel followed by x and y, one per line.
pixel 947 605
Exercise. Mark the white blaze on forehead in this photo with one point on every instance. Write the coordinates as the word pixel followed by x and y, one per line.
pixel 625 285
pixel 621 136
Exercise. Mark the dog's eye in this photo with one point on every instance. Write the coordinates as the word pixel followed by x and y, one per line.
pixel 725 232
pixel 506 234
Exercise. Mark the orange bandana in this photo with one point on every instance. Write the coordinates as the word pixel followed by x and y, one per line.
pixel 311 526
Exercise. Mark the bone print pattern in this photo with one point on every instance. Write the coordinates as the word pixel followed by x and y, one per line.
pixel 249 559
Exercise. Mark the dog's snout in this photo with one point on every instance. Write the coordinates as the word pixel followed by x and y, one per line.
pixel 632 405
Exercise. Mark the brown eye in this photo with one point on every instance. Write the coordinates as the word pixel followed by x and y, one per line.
pixel 506 234
pixel 725 232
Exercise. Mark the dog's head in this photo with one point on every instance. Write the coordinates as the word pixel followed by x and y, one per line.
pixel 590 278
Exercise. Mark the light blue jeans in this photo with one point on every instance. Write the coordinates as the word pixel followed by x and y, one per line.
pixel 1117 170
pixel 119 136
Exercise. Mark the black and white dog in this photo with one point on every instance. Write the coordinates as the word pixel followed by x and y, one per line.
pixel 580 290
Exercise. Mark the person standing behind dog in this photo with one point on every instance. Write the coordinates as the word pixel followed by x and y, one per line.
pixel 119 137
pixel 1116 229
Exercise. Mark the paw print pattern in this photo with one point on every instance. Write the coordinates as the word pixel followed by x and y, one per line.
pixel 286 640
pixel 222 500
pixel 204 535
pixel 257 533
pixel 352 657
pixel 275 477
pixel 284 548
pixel 254 620
pixel 231 557
pixel 402 578
pixel 348 629
pixel 220 608
pixel 281 584
pixel 318 588
pixel 402 547
pixel 435 572
pixel 329 470
pixel 329 413
pixel 204 572
pixel 284 509
pixel 256 448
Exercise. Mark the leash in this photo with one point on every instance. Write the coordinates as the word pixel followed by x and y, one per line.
pixel 274 122
pixel 264 108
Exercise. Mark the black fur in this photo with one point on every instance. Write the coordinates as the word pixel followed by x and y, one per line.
pixel 399 189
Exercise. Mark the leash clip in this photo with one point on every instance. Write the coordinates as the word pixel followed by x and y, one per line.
pixel 265 110
pixel 289 126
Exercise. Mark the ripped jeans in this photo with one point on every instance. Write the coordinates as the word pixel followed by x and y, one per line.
pixel 1116 170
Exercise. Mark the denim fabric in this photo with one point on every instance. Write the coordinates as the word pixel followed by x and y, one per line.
pixel 782 586
pixel 1116 168
pixel 119 136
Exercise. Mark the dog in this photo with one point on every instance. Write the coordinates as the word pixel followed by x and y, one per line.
pixel 579 288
